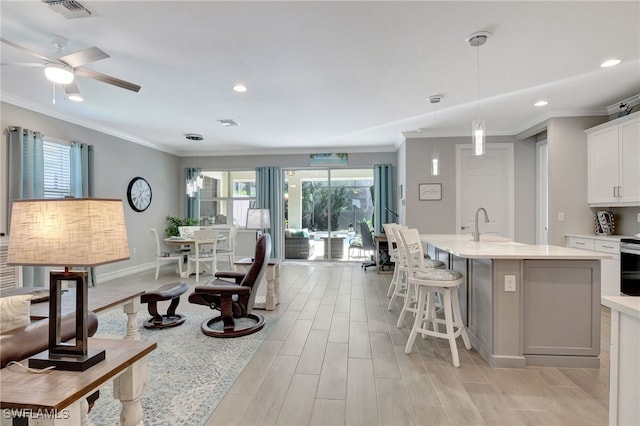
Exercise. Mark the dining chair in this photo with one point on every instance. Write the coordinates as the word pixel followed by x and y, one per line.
pixel 205 243
pixel 163 256
pixel 227 247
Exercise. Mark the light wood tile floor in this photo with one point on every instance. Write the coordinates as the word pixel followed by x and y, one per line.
pixel 336 358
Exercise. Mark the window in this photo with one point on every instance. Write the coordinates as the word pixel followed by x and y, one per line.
pixel 57 170
pixel 226 196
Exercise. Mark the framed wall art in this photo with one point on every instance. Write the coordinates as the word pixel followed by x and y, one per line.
pixel 429 191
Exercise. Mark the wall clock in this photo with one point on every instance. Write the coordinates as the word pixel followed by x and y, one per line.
pixel 139 194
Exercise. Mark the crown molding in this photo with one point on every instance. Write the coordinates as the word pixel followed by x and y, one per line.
pixel 54 113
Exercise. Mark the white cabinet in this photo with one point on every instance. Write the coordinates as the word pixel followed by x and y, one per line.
pixel 609 268
pixel 614 163
pixel 624 376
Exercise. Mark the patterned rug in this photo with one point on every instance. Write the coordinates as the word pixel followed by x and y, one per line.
pixel 189 373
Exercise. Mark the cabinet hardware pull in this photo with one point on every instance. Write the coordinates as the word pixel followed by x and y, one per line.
pixel 580 243
pixel 607 246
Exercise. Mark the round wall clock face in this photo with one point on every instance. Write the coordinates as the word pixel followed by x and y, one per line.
pixel 139 194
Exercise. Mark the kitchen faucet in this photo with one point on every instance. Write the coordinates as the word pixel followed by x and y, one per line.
pixel 476 234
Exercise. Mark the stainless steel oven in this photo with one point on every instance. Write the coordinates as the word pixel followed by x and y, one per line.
pixel 630 266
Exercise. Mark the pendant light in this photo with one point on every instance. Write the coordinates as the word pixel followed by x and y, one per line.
pixel 435 157
pixel 194 183
pixel 435 164
pixel 478 129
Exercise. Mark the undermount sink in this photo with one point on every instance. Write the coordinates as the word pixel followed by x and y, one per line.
pixel 488 238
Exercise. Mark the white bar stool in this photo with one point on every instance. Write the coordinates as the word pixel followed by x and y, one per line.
pixel 429 282
pixel 408 291
pixel 393 252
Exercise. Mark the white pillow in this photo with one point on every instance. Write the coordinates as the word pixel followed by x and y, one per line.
pixel 15 311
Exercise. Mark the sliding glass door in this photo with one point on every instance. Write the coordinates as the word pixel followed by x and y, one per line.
pixel 323 209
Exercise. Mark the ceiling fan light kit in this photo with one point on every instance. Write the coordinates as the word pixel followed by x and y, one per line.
pixel 64 69
pixel 58 73
pixel 72 93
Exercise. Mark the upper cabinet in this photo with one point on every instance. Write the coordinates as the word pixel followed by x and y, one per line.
pixel 614 163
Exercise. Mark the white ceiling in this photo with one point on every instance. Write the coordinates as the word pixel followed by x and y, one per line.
pixel 325 76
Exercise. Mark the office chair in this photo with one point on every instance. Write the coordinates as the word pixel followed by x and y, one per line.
pixel 368 245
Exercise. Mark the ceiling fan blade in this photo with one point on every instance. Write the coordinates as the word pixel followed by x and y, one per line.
pixel 71 89
pixel 83 57
pixel 106 79
pixel 24 49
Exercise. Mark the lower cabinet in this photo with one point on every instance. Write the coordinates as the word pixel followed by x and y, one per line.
pixel 609 268
pixel 560 315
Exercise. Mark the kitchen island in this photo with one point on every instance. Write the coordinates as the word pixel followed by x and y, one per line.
pixel 526 304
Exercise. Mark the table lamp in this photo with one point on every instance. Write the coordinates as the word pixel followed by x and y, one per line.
pixel 259 219
pixel 67 232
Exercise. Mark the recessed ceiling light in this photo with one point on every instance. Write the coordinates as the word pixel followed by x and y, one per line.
pixel 610 63
pixel 540 103
pixel 240 88
pixel 228 122
pixel 194 137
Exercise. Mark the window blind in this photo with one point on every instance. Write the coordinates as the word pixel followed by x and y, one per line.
pixel 57 170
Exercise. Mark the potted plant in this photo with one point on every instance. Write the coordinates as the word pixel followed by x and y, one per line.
pixel 173 223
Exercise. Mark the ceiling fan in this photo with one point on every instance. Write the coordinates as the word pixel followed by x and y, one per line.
pixel 63 69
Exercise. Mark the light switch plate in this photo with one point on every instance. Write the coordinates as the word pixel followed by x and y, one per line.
pixel 561 217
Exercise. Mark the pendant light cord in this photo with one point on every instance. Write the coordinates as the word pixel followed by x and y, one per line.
pixel 478 83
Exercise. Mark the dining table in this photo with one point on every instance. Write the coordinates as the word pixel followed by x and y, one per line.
pixel 187 243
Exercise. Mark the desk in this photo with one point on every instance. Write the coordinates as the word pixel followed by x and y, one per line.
pixel 64 392
pixel 99 300
pixel 381 240
pixel 266 298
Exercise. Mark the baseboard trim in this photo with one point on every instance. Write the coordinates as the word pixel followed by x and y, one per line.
pixel 124 272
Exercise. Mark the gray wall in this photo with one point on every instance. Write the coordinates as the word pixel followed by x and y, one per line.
pixel 440 216
pixel 117 161
pixel 567 149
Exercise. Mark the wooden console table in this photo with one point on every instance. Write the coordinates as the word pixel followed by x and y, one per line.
pixel 266 298
pixel 60 396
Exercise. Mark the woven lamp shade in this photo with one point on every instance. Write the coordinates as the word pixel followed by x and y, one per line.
pixel 67 232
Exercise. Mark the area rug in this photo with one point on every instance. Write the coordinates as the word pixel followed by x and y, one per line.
pixel 189 373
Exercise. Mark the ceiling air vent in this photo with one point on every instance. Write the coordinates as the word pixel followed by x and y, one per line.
pixel 228 122
pixel 68 8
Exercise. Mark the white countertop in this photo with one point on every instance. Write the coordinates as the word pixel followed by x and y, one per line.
pixel 629 305
pixel 492 247
pixel 600 237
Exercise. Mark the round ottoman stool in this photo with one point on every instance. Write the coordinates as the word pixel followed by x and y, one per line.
pixel 171 291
